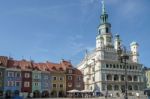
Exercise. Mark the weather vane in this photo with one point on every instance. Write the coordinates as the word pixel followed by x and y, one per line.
pixel 103 6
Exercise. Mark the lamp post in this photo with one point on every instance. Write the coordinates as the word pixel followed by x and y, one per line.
pixel 123 58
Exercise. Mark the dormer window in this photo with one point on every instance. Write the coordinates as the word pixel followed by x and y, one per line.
pixel 70 71
pixel 54 68
pixel 61 69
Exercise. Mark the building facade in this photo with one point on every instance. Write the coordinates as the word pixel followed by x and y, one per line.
pixel 2 74
pixel 103 70
pixel 147 78
pixel 37 79
pixel 58 81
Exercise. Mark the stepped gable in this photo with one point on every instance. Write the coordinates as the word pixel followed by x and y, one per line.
pixel 3 61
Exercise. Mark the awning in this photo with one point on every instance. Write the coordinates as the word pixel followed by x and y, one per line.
pixel 73 91
pixel 86 91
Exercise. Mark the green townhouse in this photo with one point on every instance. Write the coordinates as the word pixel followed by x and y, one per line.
pixel 36 82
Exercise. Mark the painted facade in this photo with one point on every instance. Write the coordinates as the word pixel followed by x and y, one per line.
pixel 2 73
pixel 12 80
pixel 36 82
pixel 103 68
pixel 74 79
pixel 147 78
pixel 37 79
pixel 58 81
pixel 45 80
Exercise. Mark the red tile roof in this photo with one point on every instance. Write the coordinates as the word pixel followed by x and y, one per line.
pixel 24 65
pixel 3 60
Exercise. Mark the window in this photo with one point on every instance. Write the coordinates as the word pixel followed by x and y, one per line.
pixel 93 78
pixel 1 74
pixel 116 87
pixel 107 66
pixel 54 85
pixel 129 87
pixel 27 75
pixel 107 30
pixel 46 77
pixel 61 78
pixel 10 74
pixel 78 85
pixel 36 84
pixel 36 76
pixel 114 66
pixel 79 78
pixel 46 84
pixel 122 77
pixel 54 78
pixel 110 66
pixel 69 77
pixel 109 87
pixel 17 83
pixel 61 86
pixel 70 71
pixel 18 75
pixel 116 77
pixel 10 83
pixel 26 84
pixel 109 77
pixel 69 84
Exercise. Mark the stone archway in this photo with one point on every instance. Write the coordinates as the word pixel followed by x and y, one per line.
pixel 16 92
pixel 54 93
pixel 61 94
pixel 109 77
pixel 8 94
pixel 1 93
pixel 45 94
pixel 36 94
pixel 116 78
pixel 130 87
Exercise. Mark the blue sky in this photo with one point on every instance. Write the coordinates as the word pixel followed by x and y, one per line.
pixel 63 29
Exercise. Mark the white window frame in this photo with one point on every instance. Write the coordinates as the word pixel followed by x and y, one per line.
pixel 17 82
pixel 61 78
pixel 60 86
pixel 10 74
pixel 69 78
pixel 53 86
pixel 27 75
pixel 54 77
pixel 26 84
pixel 70 71
pixel 17 74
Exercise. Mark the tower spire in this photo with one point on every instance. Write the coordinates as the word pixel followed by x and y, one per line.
pixel 103 6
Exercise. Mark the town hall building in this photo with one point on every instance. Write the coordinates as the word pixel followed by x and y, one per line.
pixel 103 69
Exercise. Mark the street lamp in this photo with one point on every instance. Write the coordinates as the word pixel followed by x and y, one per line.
pixel 123 57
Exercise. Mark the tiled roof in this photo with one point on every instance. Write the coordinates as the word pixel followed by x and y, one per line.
pixel 3 60
pixel 25 65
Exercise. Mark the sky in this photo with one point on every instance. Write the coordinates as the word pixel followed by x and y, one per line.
pixel 51 30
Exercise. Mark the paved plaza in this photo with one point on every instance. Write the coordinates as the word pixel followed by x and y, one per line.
pixel 129 97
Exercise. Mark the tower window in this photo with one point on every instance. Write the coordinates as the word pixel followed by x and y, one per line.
pixel 107 30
